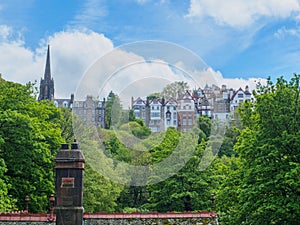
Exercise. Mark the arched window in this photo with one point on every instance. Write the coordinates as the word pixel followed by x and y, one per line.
pixel 65 104
pixel 56 103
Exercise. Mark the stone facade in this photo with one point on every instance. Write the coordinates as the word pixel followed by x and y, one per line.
pixel 47 84
pixel 186 218
pixel 90 110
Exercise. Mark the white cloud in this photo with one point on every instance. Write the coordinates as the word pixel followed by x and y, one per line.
pixel 17 63
pixel 209 76
pixel 5 32
pixel 91 12
pixel 241 13
pixel 72 52
pixel 282 32
pixel 77 53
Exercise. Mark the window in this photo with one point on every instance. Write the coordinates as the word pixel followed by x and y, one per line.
pixel 241 95
pixel 174 122
pixel 168 107
pixel 56 103
pixel 157 107
pixel 155 114
pixel 174 107
pixel 65 104
pixel 168 115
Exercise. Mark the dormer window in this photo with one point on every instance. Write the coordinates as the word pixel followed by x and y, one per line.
pixel 168 115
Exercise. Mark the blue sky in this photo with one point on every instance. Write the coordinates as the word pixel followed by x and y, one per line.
pixel 238 39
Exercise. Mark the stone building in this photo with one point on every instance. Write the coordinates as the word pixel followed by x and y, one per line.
pixel 90 110
pixel 181 113
pixel 186 112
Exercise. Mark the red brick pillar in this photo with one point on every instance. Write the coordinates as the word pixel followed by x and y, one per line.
pixel 69 185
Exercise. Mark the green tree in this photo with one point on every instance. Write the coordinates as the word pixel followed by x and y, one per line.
pixel 268 185
pixel 30 137
pixel 6 201
pixel 230 138
pixel 113 112
pixel 66 125
pixel 174 89
pixel 155 95
pixel 205 125
pixel 187 190
pixel 100 194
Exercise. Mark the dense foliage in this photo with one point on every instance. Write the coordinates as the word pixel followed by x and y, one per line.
pixel 263 186
pixel 30 135
pixel 255 176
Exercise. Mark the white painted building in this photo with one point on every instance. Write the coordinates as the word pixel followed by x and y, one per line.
pixel 170 114
pixel 238 97
pixel 156 116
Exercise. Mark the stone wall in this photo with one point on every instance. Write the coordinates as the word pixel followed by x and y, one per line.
pixel 186 218
pixel 138 221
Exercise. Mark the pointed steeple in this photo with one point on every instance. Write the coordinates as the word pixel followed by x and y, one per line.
pixel 47 84
pixel 47 75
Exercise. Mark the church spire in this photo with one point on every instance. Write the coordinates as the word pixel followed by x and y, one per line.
pixel 47 75
pixel 47 84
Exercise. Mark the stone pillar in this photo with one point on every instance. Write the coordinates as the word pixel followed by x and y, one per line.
pixel 69 185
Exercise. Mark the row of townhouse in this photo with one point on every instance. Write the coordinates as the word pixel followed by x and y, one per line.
pixel 158 115
pixel 181 113
pixel 212 101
